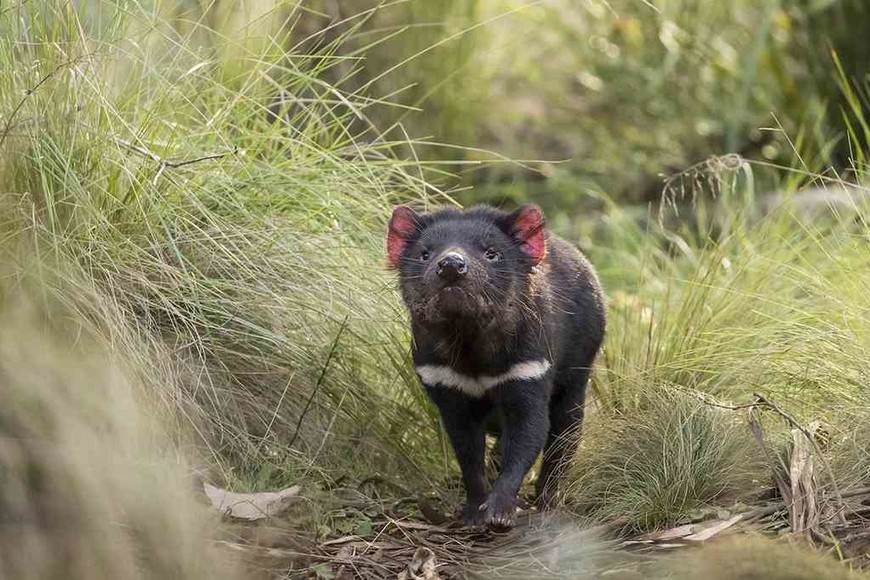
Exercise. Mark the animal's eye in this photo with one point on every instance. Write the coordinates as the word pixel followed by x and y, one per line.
pixel 424 255
pixel 492 255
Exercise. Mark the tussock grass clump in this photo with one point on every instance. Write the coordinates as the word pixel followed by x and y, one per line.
pixel 651 465
pixel 93 485
pixel 229 201
pixel 774 305
pixel 753 557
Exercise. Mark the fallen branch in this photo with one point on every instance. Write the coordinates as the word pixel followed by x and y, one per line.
pixel 857 492
pixel 810 437
pixel 164 163
pixel 763 512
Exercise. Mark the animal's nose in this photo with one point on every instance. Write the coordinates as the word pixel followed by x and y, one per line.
pixel 452 267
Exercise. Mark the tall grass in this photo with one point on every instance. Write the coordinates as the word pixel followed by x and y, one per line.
pixel 774 305
pixel 211 186
pixel 94 486
pixel 609 93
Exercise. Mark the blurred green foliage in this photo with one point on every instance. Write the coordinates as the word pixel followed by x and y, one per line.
pixel 605 96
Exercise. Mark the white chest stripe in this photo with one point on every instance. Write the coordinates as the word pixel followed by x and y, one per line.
pixel 477 386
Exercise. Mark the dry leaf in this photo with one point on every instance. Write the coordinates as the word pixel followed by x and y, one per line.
pixel 250 506
pixel 669 546
pixel 708 533
pixel 421 567
pixel 672 533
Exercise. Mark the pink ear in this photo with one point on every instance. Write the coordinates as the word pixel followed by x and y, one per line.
pixel 528 228
pixel 403 223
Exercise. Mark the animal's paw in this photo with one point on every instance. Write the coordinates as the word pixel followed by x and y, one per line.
pixel 473 514
pixel 500 513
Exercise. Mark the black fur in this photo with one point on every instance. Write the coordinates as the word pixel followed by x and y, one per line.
pixel 503 311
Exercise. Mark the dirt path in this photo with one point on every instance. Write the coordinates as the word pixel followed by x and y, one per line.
pixel 381 542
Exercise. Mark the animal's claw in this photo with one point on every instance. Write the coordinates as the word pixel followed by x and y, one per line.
pixel 499 515
pixel 473 515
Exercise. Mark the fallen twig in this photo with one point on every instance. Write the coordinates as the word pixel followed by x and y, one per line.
pixel 856 492
pixel 164 163
pixel 763 512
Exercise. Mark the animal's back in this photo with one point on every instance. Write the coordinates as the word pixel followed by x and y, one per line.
pixel 577 303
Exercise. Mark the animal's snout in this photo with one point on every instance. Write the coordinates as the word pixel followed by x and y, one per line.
pixel 452 266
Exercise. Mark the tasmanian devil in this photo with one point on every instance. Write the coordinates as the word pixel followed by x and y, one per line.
pixel 506 320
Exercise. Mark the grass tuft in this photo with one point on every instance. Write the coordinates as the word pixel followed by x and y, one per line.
pixel 94 486
pixel 232 210
pixel 652 465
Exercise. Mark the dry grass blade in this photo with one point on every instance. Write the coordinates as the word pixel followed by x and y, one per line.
pixel 94 486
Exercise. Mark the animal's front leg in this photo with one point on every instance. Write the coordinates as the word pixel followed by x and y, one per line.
pixel 524 407
pixel 463 419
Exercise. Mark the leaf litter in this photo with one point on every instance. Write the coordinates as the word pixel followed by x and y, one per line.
pixel 382 539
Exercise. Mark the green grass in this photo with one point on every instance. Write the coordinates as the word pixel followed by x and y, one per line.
pixel 258 274
pixel 609 94
pixel 94 485
pixel 774 305
pixel 653 465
